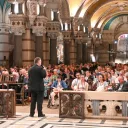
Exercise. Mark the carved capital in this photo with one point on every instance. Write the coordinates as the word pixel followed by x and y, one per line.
pixel 18 23
pixel 39 26
pixel 39 31
pixel 53 35
pixel 18 30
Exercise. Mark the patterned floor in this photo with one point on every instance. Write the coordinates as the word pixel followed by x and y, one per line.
pixel 53 121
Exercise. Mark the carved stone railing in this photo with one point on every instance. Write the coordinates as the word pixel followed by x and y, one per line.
pixel 7 103
pixel 92 104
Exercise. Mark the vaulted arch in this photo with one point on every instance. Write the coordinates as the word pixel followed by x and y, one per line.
pixel 65 12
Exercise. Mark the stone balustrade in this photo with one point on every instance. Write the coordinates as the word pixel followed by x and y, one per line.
pixel 90 104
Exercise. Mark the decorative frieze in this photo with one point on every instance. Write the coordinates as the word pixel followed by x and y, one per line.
pixel 67 35
pixel 4 28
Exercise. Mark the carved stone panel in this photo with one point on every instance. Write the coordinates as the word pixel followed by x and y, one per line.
pixel 71 105
pixel 7 103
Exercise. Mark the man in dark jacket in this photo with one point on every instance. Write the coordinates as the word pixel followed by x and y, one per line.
pixel 36 86
pixel 122 86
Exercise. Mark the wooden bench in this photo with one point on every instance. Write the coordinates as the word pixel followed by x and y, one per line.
pixel 7 82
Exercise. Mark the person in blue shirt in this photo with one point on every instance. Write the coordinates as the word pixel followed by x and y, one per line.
pixel 57 86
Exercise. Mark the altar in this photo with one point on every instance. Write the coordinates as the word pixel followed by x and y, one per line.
pixel 7 103
pixel 91 104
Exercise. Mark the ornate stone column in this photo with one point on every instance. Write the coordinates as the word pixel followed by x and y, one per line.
pixel 85 45
pixel 66 52
pixel 39 28
pixel 84 53
pixel 53 29
pixel 53 47
pixel 79 52
pixel 28 47
pixel 17 25
pixel 18 50
pixel 46 50
pixel 4 44
pixel 18 28
pixel 69 41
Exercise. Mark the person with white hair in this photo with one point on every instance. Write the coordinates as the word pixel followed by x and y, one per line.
pixel 123 85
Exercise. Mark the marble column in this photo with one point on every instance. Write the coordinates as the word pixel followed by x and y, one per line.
pixel 79 53
pixel 4 44
pixel 28 48
pixel 18 50
pixel 72 52
pixel 84 53
pixel 66 52
pixel 45 50
pixel 39 47
pixel 53 51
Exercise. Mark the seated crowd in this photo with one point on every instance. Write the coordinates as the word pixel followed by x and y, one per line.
pixel 87 77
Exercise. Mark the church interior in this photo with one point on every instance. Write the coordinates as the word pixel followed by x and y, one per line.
pixel 63 31
pixel 70 36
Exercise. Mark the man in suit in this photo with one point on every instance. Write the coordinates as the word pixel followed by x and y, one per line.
pixel 36 86
pixel 123 85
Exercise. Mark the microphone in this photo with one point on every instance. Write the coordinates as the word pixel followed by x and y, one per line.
pixel 43 67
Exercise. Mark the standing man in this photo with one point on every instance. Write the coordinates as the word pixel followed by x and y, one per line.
pixel 36 86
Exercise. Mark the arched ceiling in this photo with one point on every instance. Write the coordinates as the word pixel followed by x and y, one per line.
pixel 99 11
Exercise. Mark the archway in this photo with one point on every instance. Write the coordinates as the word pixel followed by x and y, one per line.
pixel 122 49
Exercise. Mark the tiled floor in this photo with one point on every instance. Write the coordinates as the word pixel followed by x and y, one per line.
pixel 52 120
pixel 22 120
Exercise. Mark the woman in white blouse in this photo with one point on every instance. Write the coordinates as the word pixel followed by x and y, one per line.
pixel 101 85
pixel 82 85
